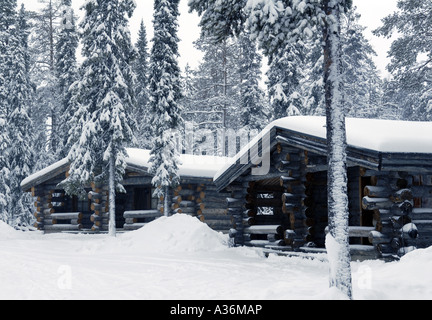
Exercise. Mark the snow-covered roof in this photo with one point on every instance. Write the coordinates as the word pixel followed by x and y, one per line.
pixel 200 166
pixel 191 165
pixel 381 136
pixel 45 174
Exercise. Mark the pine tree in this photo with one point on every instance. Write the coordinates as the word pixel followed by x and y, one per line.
pixel 106 99
pixel 165 91
pixel 66 72
pixel 411 58
pixel 141 68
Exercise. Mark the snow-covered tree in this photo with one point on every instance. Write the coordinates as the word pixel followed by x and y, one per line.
pixel 254 111
pixel 275 24
pixel 16 143
pixel 141 68
pixel 411 58
pixel 362 83
pixel 337 241
pixel 106 99
pixel 165 93
pixel 284 86
pixel 48 101
pixel 7 12
pixel 66 72
pixel 217 78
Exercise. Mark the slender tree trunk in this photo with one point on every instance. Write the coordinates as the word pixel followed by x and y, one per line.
pixel 337 241
pixel 166 202
pixel 112 195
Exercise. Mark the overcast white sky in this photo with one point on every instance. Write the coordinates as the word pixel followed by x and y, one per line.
pixel 372 12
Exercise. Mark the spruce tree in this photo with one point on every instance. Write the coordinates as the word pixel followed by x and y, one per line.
pixel 362 84
pixel 254 113
pixel 66 72
pixel 141 68
pixel 165 92
pixel 7 12
pixel 284 87
pixel 18 158
pixel 105 98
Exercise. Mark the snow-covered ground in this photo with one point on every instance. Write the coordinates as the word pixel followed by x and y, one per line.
pixel 181 258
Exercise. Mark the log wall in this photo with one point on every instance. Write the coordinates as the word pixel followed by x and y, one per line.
pixel 268 212
pixel 402 206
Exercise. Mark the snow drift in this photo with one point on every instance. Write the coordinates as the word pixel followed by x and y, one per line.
pixel 178 233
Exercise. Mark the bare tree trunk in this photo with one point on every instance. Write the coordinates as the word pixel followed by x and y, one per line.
pixel 166 202
pixel 112 195
pixel 337 241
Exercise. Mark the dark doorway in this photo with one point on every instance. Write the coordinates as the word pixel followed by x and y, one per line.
pixel 142 199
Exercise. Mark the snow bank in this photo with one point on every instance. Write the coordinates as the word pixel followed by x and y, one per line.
pixel 9 233
pixel 178 233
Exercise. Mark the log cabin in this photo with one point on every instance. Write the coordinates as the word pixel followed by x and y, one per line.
pixel 273 193
pixel 55 211
pixel 284 207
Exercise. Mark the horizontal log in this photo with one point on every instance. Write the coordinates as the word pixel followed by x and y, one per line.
pixel 220 211
pixel 355 231
pixel 377 191
pixel 263 243
pixel 422 213
pixel 142 214
pixel 184 192
pixel 402 195
pixel 369 203
pixel 67 215
pixel 376 237
pixel 133 226
pixel 187 210
pixel 232 202
pixel 184 204
pixel 46 211
pixel 61 227
pixel 264 229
